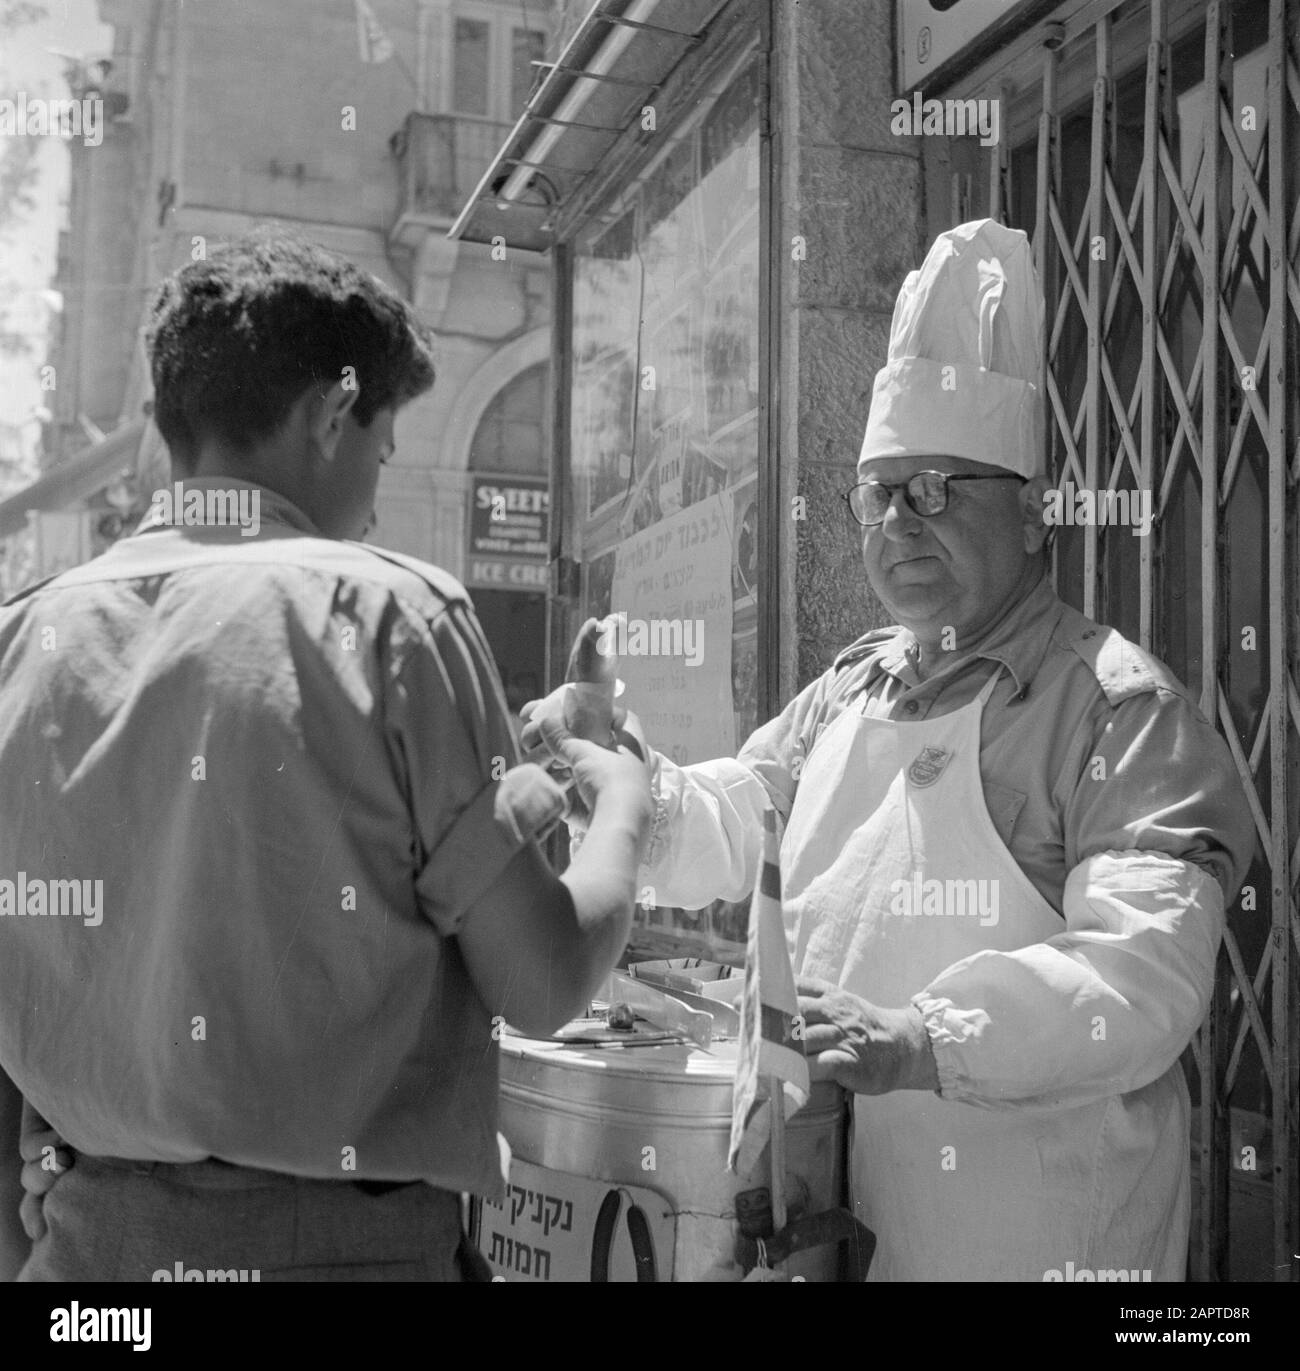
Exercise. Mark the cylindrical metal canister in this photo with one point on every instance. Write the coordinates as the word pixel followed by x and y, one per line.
pixel 627 1123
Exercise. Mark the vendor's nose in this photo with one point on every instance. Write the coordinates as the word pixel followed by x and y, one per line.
pixel 901 520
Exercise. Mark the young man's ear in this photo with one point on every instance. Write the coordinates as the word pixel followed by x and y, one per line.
pixel 326 413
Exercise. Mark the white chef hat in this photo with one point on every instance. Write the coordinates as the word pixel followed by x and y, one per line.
pixel 964 356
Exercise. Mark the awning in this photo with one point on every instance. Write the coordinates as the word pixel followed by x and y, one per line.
pixel 609 71
pixel 76 479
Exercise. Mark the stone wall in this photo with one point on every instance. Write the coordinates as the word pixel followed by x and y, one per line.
pixel 851 194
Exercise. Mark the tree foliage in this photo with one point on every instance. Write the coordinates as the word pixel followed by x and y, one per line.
pixel 19 169
pixel 18 174
pixel 15 13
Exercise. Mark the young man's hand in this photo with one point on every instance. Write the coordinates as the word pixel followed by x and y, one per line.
pixel 593 770
pixel 546 739
pixel 537 945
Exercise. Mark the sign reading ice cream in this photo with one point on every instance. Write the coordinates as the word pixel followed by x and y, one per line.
pixel 509 533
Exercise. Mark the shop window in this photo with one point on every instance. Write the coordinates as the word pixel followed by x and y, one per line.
pixel 664 443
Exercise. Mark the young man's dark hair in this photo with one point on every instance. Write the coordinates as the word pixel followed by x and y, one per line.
pixel 235 339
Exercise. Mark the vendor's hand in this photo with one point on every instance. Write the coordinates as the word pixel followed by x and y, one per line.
pixel 592 770
pixel 627 730
pixel 864 1048
pixel 534 711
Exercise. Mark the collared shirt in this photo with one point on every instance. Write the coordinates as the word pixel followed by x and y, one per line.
pixel 271 769
pixel 1087 745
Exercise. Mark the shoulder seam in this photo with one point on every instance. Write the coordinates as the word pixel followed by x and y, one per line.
pixel 1146 675
pixel 425 616
pixel 402 562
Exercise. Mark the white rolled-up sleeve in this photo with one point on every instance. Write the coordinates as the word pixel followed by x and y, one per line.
pixel 1100 1009
pixel 707 833
pixel 708 823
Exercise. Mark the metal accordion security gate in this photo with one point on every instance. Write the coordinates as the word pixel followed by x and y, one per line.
pixel 1150 148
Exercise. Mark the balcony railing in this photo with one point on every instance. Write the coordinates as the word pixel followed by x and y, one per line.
pixel 440 158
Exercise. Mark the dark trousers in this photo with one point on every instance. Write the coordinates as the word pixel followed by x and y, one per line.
pixel 114 1220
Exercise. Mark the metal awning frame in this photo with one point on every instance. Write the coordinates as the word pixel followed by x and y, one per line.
pixel 532 225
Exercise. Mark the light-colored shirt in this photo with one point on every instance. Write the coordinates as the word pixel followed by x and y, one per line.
pixel 1109 789
pixel 274 767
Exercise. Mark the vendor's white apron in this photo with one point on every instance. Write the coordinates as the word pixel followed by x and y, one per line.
pixel 954 1191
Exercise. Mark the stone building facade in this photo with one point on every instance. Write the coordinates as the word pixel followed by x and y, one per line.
pixel 232 114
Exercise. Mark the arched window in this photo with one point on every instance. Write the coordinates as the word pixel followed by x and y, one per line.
pixel 511 436
pixel 512 441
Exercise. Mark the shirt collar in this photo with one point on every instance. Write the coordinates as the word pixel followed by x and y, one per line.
pixel 1019 640
pixel 273 508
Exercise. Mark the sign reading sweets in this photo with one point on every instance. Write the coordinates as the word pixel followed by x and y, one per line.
pixel 553 1226
pixel 672 584
pixel 509 533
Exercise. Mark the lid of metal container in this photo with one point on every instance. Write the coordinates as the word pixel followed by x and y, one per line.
pixel 647 1059
pixel 670 1064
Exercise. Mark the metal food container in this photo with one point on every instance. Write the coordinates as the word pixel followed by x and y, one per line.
pixel 619 1165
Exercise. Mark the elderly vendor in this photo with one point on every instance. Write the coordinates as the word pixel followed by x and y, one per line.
pixel 1009 836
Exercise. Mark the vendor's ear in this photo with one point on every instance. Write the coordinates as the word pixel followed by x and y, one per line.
pixel 1032 495
pixel 326 412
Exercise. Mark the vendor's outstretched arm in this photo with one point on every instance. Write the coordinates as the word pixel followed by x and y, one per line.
pixel 707 830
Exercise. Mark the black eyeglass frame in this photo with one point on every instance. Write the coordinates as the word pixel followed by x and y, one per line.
pixel 905 487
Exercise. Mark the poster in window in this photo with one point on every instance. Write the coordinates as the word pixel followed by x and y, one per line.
pixel 672 229
pixel 670 470
pixel 640 506
pixel 607 292
pixel 672 581
pixel 602 454
pixel 597 583
pixel 730 343
pixel 744 607
pixel 671 351
pixel 702 474
pixel 729 165
pixel 744 563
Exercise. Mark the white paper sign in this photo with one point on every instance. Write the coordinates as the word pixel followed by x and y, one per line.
pixel 672 582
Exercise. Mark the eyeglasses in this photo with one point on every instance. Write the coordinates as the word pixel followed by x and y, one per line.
pixel 926 494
